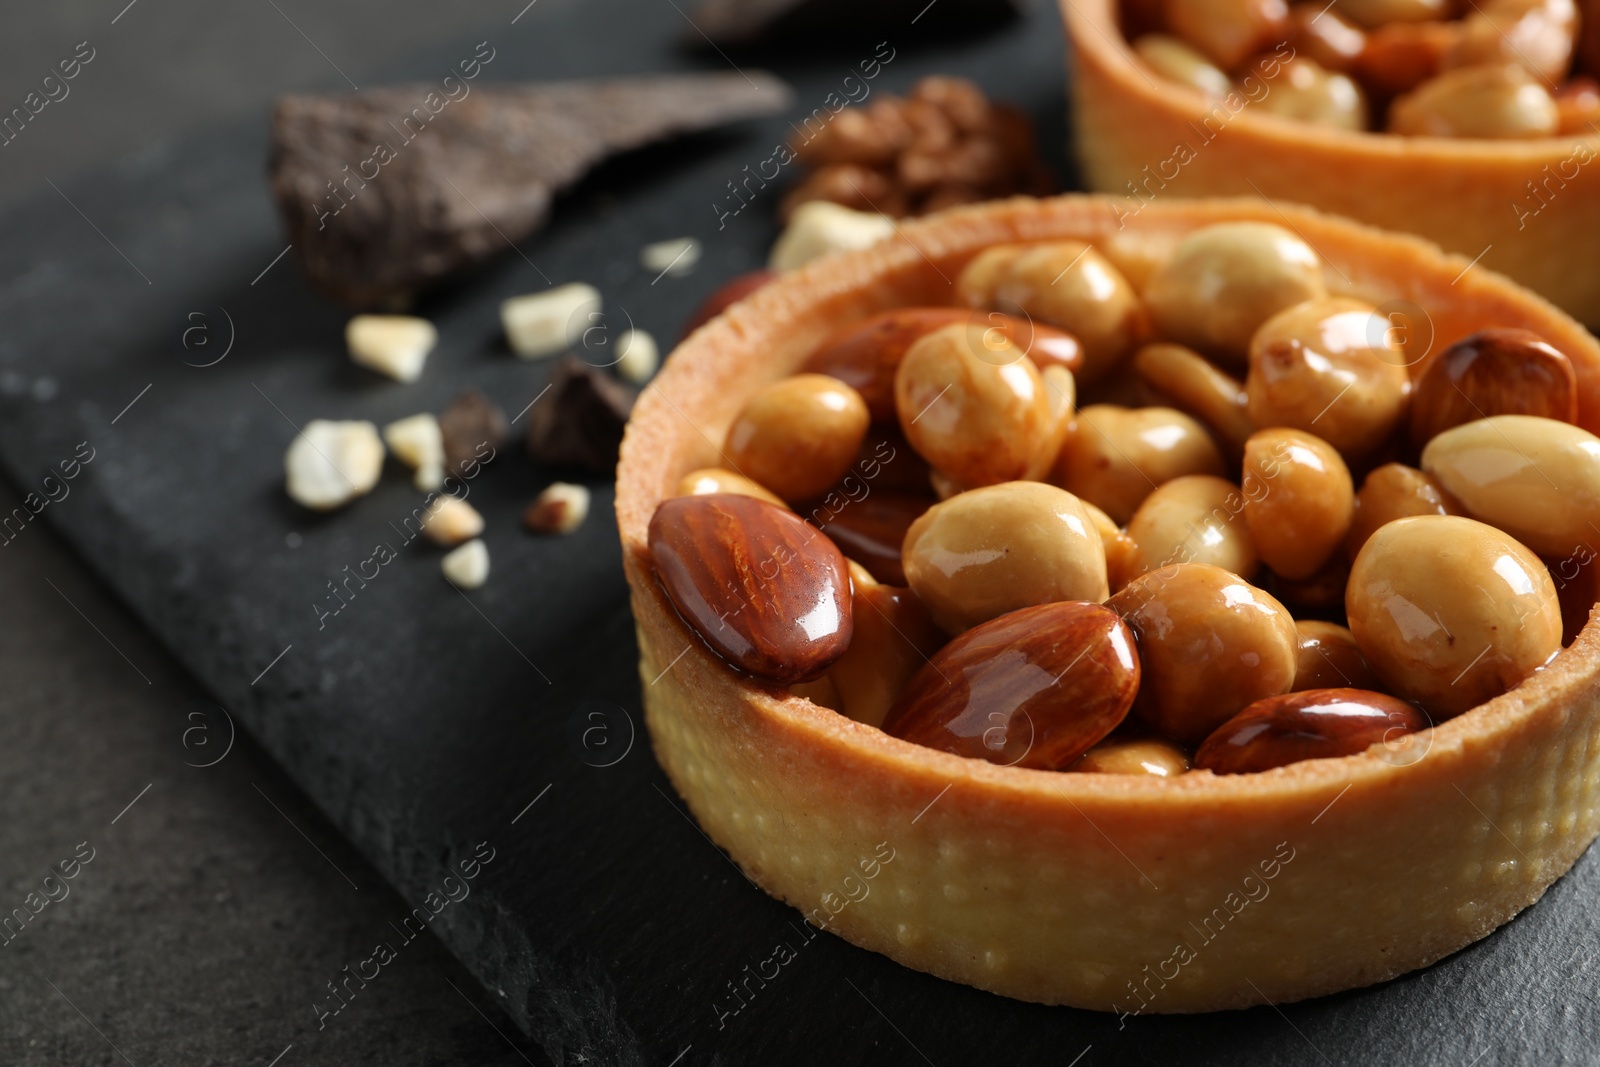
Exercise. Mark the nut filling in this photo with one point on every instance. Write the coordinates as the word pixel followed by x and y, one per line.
pixel 1324 549
pixel 1492 69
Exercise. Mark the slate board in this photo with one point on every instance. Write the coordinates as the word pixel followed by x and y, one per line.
pixel 424 721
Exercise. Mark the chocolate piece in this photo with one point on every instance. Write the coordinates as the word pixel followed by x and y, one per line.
pixel 580 422
pixel 474 429
pixel 386 192
pixel 742 22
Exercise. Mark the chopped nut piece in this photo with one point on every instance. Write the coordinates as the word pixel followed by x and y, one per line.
pixel 542 324
pixel 417 442
pixel 330 463
pixel 819 227
pixel 581 421
pixel 473 429
pixel 639 357
pixel 467 567
pixel 450 521
pixel 393 345
pixel 674 258
pixel 561 508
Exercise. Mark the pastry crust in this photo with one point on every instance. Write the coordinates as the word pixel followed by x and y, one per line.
pixel 1101 891
pixel 1530 208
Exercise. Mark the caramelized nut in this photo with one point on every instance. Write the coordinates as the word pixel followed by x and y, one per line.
pixel 1394 491
pixel 1194 519
pixel 1133 755
pixel 1324 35
pixel 1229 31
pixel 989 551
pixel 1223 281
pixel 892 640
pixel 1402 55
pixel 1194 385
pixel 1314 724
pixel 1329 658
pixel 1493 372
pixel 1494 103
pixel 709 480
pixel 1374 13
pixel 1303 90
pixel 1534 34
pixel 1114 456
pixel 872 529
pixel 866 355
pixel 1069 284
pixel 1298 500
pixel 766 592
pixel 980 419
pixel 1210 644
pixel 1328 367
pixel 1179 62
pixel 1451 612
pixel 1319 595
pixel 976 283
pixel 1035 688
pixel 798 436
pixel 1578 106
pixel 1536 479
pixel 1120 548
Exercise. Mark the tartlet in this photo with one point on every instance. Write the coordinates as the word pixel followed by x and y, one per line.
pixel 1128 894
pixel 1530 208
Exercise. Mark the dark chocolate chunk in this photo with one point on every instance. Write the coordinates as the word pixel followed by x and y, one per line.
pixel 386 192
pixel 580 421
pixel 474 430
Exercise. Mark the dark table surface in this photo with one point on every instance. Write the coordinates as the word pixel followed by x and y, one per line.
pixel 220 903
pixel 210 919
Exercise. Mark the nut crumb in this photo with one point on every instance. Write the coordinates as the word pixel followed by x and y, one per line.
pixel 543 324
pixel 819 227
pixel 329 464
pixel 640 357
pixel 466 567
pixel 561 508
pixel 418 442
pixel 674 258
pixel 451 521
pixel 393 345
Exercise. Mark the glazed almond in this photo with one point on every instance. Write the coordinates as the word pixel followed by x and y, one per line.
pixel 765 591
pixel 1313 724
pixel 1493 372
pixel 1033 688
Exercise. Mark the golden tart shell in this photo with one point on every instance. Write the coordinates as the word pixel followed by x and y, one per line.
pixel 1082 889
pixel 1530 208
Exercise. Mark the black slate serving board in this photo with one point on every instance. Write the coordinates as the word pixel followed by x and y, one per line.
pixel 424 721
